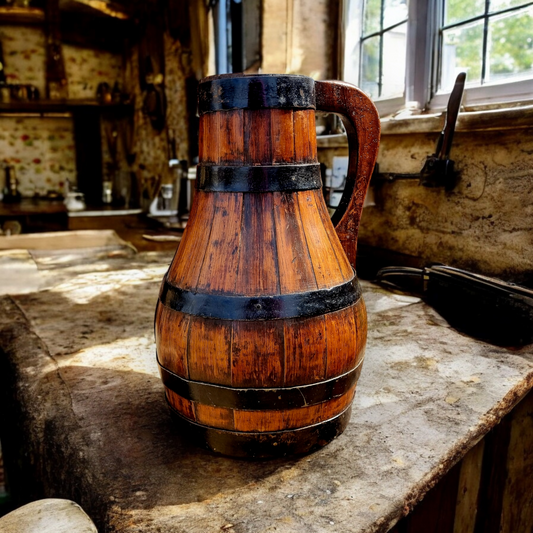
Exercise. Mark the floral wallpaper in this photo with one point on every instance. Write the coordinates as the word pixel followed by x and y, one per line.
pixel 24 55
pixel 87 68
pixel 42 149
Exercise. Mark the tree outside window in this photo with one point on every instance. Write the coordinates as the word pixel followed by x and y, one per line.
pixel 492 40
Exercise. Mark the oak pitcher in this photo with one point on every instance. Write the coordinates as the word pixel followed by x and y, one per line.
pixel 260 323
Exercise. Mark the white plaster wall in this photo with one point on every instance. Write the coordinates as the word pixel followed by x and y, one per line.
pixel 298 37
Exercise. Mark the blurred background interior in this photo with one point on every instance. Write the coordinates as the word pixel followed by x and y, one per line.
pixel 98 125
pixel 99 131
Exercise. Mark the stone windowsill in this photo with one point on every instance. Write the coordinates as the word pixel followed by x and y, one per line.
pixel 493 119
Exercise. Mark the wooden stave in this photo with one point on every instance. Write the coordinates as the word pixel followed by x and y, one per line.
pixel 260 354
pixel 262 421
pixel 263 244
pixel 264 445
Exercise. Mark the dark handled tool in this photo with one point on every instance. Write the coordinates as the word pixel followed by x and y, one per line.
pixel 438 170
pixel 3 78
pixel 486 308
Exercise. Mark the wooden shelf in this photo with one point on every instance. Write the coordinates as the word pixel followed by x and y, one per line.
pixel 60 106
pixel 30 206
pixel 21 15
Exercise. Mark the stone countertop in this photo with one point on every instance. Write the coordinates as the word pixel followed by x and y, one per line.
pixel 81 361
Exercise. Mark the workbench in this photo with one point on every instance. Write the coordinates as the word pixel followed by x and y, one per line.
pixel 439 418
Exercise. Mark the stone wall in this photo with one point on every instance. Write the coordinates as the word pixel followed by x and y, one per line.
pixel 486 223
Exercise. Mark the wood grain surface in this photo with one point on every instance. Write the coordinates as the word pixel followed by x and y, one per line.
pixel 260 353
pixel 267 136
pixel 362 124
pixel 261 244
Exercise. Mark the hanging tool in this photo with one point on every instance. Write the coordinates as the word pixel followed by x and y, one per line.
pixel 56 77
pixel 438 170
pixel 127 129
pixel 3 78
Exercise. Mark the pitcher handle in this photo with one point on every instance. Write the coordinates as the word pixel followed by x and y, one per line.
pixel 361 120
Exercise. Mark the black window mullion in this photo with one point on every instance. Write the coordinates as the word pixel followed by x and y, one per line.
pixel 385 30
pixel 487 14
pixel 439 47
pixel 381 20
pixel 485 42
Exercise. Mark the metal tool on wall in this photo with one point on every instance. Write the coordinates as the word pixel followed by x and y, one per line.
pixel 439 169
pixel 56 77
pixel 155 102
pixel 486 308
pixel 174 171
pixel 3 77
pixel 112 166
pixel 178 169
pixel 10 193
pixel 152 68
pixel 127 129
pixel 165 200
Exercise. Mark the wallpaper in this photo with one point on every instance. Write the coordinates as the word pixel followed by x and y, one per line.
pixel 42 148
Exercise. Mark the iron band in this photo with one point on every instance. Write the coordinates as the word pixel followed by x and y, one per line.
pixel 259 178
pixel 260 399
pixel 262 91
pixel 262 445
pixel 297 305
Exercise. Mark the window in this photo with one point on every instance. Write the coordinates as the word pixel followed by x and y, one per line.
pixel 383 44
pixel 402 51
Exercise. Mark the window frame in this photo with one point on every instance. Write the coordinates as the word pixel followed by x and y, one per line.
pixel 425 18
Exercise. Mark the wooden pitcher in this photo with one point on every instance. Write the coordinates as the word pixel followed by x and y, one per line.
pixel 260 324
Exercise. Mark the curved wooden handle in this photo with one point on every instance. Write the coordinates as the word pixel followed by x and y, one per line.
pixel 361 120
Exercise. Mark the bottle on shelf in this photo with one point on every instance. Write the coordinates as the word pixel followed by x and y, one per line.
pixel 11 192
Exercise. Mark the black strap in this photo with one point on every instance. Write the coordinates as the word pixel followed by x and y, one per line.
pixel 260 399
pixel 259 178
pixel 296 305
pixel 255 445
pixel 258 91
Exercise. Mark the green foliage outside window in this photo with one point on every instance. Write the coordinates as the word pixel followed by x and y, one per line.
pixel 509 44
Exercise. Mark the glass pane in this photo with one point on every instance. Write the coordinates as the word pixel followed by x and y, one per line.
pixel 458 10
pixel 372 17
pixel 498 5
pixel 394 59
pixel 394 11
pixel 462 50
pixel 370 67
pixel 510 46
